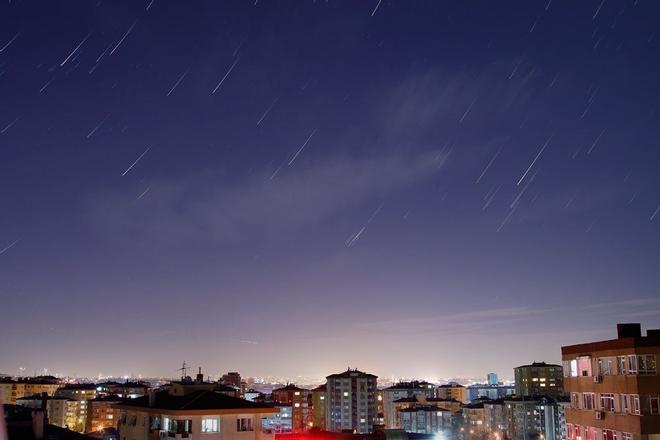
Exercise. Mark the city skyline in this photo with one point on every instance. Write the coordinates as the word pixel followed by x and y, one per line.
pixel 413 189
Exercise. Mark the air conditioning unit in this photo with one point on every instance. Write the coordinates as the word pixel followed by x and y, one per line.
pixel 598 378
pixel 600 415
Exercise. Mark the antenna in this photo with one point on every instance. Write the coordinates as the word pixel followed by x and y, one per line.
pixel 183 370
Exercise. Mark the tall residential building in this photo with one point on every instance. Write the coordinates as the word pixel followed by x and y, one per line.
pixel 319 396
pixel 614 387
pixel 193 414
pixel 401 390
pixel 453 390
pixel 539 378
pixel 299 401
pixel 351 401
pixel 528 417
pixel 101 413
pixel 82 394
pixel 492 379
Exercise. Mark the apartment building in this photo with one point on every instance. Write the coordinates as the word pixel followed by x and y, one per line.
pixel 81 394
pixel 351 401
pixel 614 387
pixel 299 399
pixel 192 414
pixel 319 396
pixel 452 390
pixel 61 411
pixel 425 419
pixel 539 379
pixel 402 390
pixel 12 389
pixel 101 413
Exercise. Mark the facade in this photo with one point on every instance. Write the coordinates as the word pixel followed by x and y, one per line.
pixel 299 399
pixel 61 411
pixel 496 418
pixel 81 394
pixel 101 413
pixel 532 417
pixel 453 390
pixel 427 419
pixel 539 378
pixel 12 389
pixel 232 378
pixel 492 392
pixel 474 418
pixel 351 401
pixel 193 415
pixel 319 396
pixel 280 422
pixel 614 387
pixel 398 391
pixel 125 390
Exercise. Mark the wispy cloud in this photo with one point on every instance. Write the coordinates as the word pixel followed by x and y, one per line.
pixel 205 208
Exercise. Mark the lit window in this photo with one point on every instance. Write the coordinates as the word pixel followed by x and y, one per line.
pixel 297 405
pixel 345 393
pixel 210 425
pixel 322 397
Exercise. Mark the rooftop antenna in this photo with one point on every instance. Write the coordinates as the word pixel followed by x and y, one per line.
pixel 183 370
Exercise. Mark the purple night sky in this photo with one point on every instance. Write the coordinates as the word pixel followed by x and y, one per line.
pixel 430 189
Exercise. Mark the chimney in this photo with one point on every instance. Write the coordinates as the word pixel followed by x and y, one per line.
pixel 38 424
pixel 200 376
pixel 631 330
pixel 152 398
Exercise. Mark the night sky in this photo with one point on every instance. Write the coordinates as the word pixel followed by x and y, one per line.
pixel 417 189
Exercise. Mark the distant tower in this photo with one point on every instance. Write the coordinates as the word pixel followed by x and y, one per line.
pixel 492 379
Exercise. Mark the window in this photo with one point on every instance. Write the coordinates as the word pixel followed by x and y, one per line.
pixel 607 402
pixel 584 365
pixel 574 368
pixel 632 364
pixel 588 401
pixel 621 365
pixel 210 425
pixel 646 363
pixel 578 432
pixel 634 403
pixel 570 432
pixel 608 434
pixel 654 404
pixel 625 403
pixel 626 436
pixel 605 366
pixel 575 400
pixel 244 424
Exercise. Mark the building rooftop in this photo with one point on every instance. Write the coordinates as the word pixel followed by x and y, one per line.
pixel 628 336
pixel 451 385
pixel 440 399
pixel 196 400
pixel 351 373
pixel 108 398
pixel 539 364
pixel 290 387
pixel 425 408
pixel 79 386
pixel 322 387
pixel 406 400
pixel 410 385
